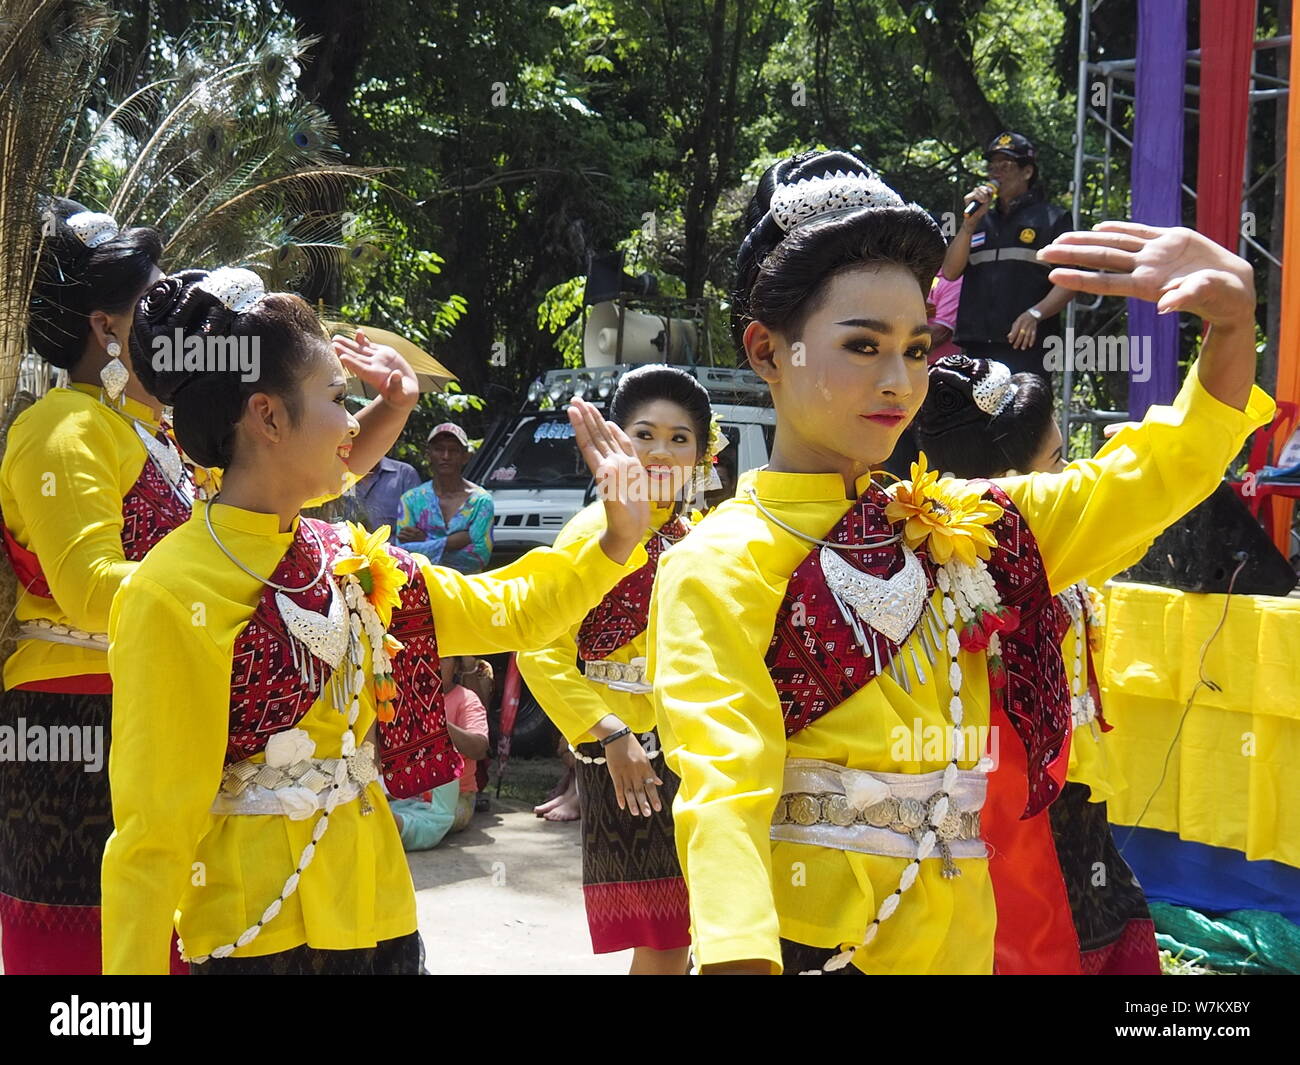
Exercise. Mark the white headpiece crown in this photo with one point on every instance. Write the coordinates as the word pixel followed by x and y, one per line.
pixel 240 290
pixel 92 228
pixel 837 193
pixel 994 392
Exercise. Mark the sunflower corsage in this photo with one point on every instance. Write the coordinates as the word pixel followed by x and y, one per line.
pixel 949 517
pixel 373 582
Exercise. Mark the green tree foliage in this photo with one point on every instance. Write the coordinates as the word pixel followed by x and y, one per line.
pixel 530 136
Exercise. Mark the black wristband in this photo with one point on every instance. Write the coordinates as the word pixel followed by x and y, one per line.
pixel 615 736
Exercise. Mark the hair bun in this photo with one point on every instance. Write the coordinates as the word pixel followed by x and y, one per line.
pixel 161 299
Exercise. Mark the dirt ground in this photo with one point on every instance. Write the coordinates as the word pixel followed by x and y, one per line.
pixel 505 896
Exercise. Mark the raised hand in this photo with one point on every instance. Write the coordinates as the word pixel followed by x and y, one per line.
pixel 1178 269
pixel 381 367
pixel 621 482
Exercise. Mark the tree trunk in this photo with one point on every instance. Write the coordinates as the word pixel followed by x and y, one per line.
pixel 328 77
pixel 943 41
pixel 704 145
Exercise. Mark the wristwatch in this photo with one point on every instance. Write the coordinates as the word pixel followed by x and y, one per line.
pixel 1035 314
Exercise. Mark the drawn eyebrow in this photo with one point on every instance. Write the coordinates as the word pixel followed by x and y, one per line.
pixel 676 428
pixel 881 327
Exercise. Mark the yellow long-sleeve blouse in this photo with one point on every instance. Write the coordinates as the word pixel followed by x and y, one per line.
pixel 716 597
pixel 572 701
pixel 68 464
pixel 172 630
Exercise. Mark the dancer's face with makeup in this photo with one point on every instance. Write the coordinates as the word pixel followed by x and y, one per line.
pixel 306 441
pixel 852 378
pixel 667 445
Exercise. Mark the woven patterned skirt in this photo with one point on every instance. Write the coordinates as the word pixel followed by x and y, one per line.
pixel 631 878
pixel 55 817
pixel 1116 934
pixel 403 956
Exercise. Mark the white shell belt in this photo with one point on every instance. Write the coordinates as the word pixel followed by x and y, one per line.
pixel 296 791
pixel 41 629
pixel 815 809
pixel 620 676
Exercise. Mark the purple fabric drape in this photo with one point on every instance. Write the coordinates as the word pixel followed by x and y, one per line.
pixel 1157 176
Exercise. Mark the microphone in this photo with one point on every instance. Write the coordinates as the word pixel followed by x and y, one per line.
pixel 975 205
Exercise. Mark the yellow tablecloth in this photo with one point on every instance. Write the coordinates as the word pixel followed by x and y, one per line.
pixel 1233 776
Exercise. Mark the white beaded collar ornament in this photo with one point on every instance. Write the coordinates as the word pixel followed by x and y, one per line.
pixel 837 193
pixel 994 392
pixel 92 228
pixel 238 289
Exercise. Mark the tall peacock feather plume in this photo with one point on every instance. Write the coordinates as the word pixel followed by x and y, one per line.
pixel 50 51
pixel 218 153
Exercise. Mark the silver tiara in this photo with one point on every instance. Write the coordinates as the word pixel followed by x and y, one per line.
pixel 92 228
pixel 240 290
pixel 797 203
pixel 994 392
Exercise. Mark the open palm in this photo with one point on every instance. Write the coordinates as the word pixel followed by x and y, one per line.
pixel 621 482
pixel 379 366
pixel 1178 269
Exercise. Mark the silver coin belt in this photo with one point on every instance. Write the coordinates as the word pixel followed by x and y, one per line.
pixel 604 671
pixel 904 816
pixel 248 787
pixel 815 808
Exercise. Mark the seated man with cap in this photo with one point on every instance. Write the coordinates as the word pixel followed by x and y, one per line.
pixel 1008 307
pixel 448 519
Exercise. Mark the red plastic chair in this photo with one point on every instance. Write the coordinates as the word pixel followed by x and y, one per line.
pixel 1265 449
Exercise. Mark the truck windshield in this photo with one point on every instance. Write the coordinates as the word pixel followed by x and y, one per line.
pixel 539 452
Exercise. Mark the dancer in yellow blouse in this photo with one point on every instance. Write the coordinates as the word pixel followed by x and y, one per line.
pixel 91 480
pixel 806 641
pixel 267 669
pixel 590 682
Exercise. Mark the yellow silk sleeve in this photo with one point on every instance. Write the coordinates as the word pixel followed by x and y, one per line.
pixel 65 478
pixel 1094 515
pixel 165 764
pixel 551 672
pixel 524 605
pixel 720 722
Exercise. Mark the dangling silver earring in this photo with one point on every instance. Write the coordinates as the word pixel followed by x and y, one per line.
pixel 114 375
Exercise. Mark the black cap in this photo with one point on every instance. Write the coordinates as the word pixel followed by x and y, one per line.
pixel 1013 144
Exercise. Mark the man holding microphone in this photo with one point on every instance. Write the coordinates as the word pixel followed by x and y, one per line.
pixel 1008 307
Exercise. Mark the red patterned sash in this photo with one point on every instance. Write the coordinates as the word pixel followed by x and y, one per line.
pixel 152 509
pixel 816 664
pixel 625 611
pixel 267 694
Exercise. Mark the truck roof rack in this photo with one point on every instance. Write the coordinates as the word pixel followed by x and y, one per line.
pixel 597 384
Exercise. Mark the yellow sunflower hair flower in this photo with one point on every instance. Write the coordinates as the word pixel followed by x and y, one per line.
pixel 376 570
pixel 949 516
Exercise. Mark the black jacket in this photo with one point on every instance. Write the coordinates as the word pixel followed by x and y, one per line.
pixel 1003 278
